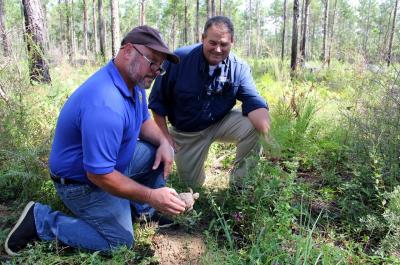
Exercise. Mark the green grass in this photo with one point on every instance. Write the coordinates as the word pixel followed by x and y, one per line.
pixel 321 193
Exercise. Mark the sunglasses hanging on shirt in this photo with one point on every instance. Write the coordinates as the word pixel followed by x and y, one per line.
pixel 220 79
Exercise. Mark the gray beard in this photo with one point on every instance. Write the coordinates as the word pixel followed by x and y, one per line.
pixel 138 80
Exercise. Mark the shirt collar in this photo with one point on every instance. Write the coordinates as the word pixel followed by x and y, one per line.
pixel 118 80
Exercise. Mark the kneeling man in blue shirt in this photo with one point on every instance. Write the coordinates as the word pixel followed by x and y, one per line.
pixel 198 97
pixel 107 155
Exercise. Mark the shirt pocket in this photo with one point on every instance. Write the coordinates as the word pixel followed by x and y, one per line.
pixel 230 92
pixel 190 102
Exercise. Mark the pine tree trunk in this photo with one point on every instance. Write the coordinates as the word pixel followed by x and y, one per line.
pixel 198 34
pixel 213 10
pixel 38 68
pixel 69 30
pixel 258 29
pixel 220 8
pixel 102 30
pixel 208 6
pixel 73 37
pixel 114 27
pixel 173 30
pixel 325 38
pixel 367 26
pixel 62 29
pixel 283 31
pixel 142 12
pixel 313 38
pixel 85 28
pixel 302 17
pixel 249 29
pixel 3 32
pixel 45 27
pixel 304 31
pixel 293 58
pixel 330 44
pixel 95 34
pixel 389 53
pixel 186 27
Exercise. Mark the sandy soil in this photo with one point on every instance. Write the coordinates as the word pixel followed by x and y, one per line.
pixel 175 247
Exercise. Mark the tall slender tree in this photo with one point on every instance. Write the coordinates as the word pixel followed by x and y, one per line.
pixel 142 12
pixel 62 27
pixel 249 28
pixel 114 27
pixel 33 14
pixel 293 58
pixel 302 17
pixel 258 28
pixel 208 7
pixel 71 46
pixel 332 27
pixel 213 9
pixel 102 30
pixel 367 28
pixel 95 34
pixel 186 26
pixel 389 53
pixel 3 31
pixel 72 31
pixel 85 28
pixel 45 27
pixel 304 31
pixel 283 31
pixel 325 36
pixel 198 32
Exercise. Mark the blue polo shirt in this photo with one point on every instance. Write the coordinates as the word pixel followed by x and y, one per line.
pixel 182 94
pixel 98 127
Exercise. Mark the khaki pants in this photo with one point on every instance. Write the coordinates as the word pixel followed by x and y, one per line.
pixel 193 146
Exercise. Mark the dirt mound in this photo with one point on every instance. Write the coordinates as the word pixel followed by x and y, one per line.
pixel 175 247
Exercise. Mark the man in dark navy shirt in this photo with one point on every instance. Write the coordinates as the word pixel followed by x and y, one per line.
pixel 198 97
pixel 98 165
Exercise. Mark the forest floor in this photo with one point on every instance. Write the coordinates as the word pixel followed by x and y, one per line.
pixel 168 245
pixel 178 246
pixel 171 245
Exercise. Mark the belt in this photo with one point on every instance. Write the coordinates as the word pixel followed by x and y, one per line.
pixel 64 181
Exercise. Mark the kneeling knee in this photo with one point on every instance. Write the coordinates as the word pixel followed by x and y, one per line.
pixel 127 241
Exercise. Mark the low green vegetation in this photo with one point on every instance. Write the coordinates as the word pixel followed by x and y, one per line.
pixel 325 189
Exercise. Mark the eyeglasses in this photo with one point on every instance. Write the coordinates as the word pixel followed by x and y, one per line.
pixel 153 66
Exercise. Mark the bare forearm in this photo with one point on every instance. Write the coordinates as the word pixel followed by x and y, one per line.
pixel 121 186
pixel 260 119
pixel 152 133
pixel 161 122
pixel 162 199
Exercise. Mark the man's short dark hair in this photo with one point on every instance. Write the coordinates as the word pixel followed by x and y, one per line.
pixel 219 20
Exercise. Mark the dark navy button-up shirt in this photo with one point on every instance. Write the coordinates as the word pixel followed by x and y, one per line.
pixel 184 96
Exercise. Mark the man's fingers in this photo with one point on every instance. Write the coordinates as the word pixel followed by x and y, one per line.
pixel 178 202
pixel 173 191
pixel 167 169
pixel 172 211
pixel 157 161
pixel 176 208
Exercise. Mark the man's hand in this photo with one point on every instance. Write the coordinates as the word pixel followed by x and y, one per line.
pixel 260 120
pixel 166 201
pixel 172 142
pixel 165 154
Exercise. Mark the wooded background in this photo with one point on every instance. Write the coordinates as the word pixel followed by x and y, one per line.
pixel 300 30
pixel 327 190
